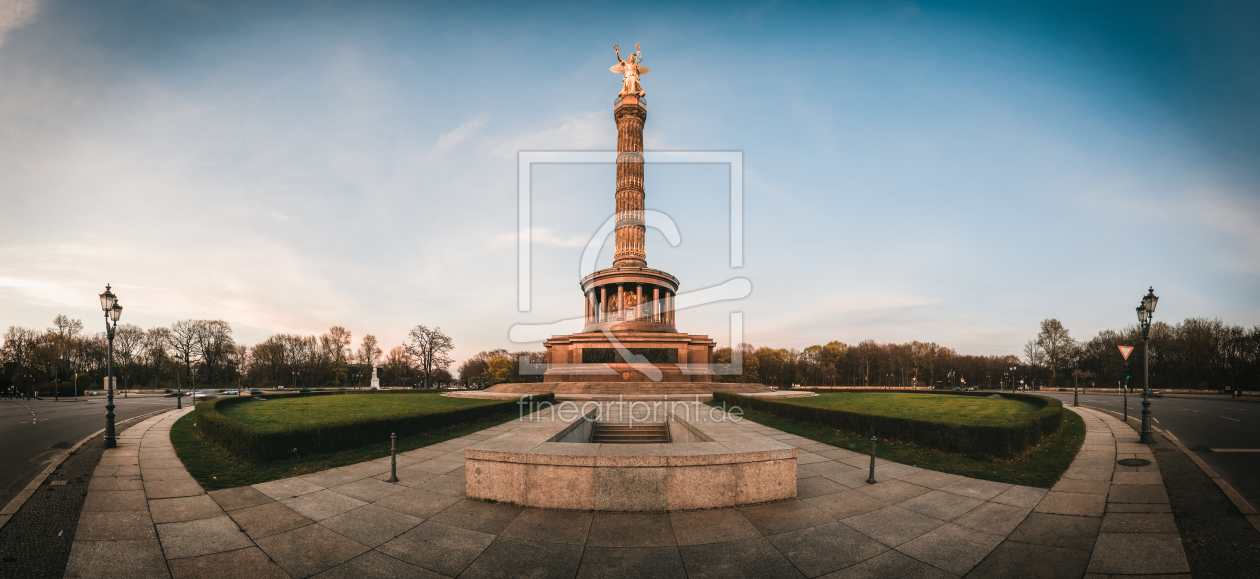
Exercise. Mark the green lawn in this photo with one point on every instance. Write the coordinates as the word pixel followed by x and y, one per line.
pixel 277 414
pixel 215 468
pixel 1041 467
pixel 977 410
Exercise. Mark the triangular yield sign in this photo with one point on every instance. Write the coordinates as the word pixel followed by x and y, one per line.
pixel 1124 351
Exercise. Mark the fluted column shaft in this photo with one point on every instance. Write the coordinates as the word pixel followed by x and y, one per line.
pixel 630 115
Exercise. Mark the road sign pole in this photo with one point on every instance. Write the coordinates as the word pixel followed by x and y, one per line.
pixel 1125 351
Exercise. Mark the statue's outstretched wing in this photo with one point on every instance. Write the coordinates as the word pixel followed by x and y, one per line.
pixel 619 68
pixel 643 69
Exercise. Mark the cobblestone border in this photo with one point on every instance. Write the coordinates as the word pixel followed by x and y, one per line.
pixel 16 504
pixel 1244 507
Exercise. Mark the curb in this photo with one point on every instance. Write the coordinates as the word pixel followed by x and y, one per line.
pixel 14 505
pixel 1240 503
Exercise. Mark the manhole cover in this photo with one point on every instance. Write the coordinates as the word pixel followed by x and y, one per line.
pixel 1133 462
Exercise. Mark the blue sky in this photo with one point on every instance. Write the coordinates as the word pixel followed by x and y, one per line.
pixel 952 172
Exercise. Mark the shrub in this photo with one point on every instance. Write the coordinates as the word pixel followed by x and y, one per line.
pixel 248 443
pixel 1005 441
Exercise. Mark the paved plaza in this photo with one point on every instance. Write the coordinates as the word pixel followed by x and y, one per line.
pixel 145 516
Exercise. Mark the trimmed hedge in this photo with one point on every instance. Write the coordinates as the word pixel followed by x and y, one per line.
pixel 1009 441
pixel 246 442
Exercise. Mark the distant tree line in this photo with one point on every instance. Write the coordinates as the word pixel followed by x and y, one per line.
pixel 869 363
pixel 488 368
pixel 1195 354
pixel 59 357
pixel 1198 353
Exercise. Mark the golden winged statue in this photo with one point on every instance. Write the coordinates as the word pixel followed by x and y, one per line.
pixel 630 71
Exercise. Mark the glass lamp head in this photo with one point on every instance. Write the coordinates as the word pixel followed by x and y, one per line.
pixel 107 299
pixel 1142 314
pixel 115 312
pixel 1150 300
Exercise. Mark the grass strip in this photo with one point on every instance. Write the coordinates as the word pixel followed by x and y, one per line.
pixel 216 468
pixel 982 428
pixel 291 426
pixel 281 414
pixel 1041 467
pixel 977 410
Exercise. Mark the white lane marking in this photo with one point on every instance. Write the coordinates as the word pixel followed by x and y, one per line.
pixel 1228 418
pixel 1236 450
pixel 1155 419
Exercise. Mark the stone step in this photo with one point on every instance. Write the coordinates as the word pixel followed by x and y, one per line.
pixel 620 428
pixel 653 440
pixel 630 434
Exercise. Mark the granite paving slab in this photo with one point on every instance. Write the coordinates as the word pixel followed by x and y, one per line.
pixel 349 522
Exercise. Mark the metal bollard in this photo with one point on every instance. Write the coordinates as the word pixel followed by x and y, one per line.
pixel 393 457
pixel 871 479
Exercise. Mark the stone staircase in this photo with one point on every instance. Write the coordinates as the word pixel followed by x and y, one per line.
pixel 610 433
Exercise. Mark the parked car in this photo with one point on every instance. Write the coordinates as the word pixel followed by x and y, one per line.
pixel 279 387
pixel 231 392
pixel 255 391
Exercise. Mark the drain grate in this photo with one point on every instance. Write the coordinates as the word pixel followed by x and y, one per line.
pixel 1133 462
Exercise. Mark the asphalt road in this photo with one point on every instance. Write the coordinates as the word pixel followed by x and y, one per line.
pixel 32 432
pixel 1205 426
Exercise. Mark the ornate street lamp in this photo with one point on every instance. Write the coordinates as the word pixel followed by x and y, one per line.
pixel 1145 313
pixel 113 311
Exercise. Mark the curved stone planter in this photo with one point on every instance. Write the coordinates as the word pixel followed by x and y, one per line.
pixel 712 463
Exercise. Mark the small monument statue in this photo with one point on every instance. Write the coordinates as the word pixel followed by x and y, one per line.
pixel 376 382
pixel 630 70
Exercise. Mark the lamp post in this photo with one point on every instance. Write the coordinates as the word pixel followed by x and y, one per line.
pixel 1145 312
pixel 179 393
pixel 113 311
pixel 1076 395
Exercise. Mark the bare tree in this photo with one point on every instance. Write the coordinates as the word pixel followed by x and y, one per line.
pixel 1056 346
pixel 66 327
pixel 128 347
pixel 214 341
pixel 369 351
pixel 336 346
pixel 431 350
pixel 184 342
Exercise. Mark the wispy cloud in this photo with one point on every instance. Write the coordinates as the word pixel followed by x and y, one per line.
pixel 15 14
pixel 592 130
pixel 460 133
pixel 545 236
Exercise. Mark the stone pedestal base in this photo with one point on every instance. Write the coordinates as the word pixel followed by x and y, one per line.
pixel 593 357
